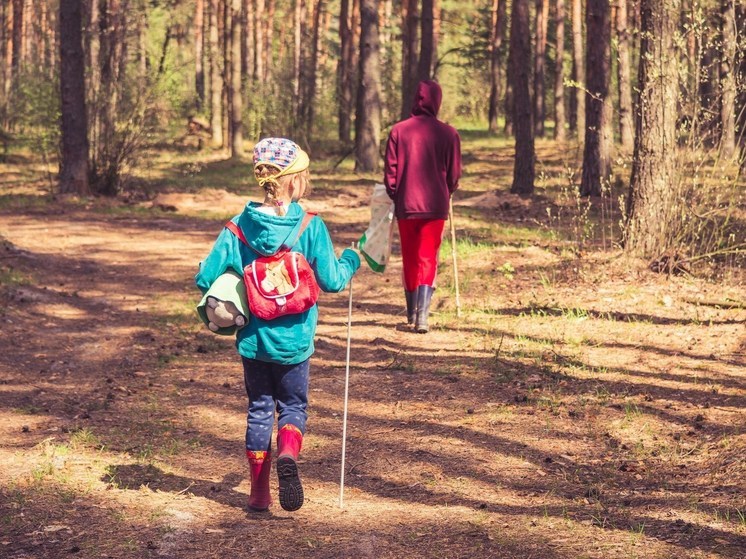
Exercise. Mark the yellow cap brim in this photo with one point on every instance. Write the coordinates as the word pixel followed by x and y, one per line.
pixel 300 163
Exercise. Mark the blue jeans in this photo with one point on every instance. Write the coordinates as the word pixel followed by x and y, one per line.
pixel 271 386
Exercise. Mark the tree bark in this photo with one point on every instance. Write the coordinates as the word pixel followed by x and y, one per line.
pixel 519 64
pixel 344 74
pixel 216 78
pixel 259 57
pixel 18 34
pixel 542 21
pixel 626 128
pixel 199 72
pixel 74 139
pixel 368 115
pixel 741 99
pixel 7 59
pixel 437 20
pixel 225 43
pixel 268 36
pixel 248 40
pixel 298 22
pixel 728 78
pixel 652 204
pixel 598 108
pixel 112 56
pixel 310 86
pixel 409 55
pixel 577 101
pixel 235 97
pixel 560 122
pixel 497 34
pixel 427 42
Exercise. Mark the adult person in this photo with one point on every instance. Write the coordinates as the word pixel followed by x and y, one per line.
pixel 422 170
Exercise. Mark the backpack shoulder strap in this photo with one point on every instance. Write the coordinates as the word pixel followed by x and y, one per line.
pixel 306 220
pixel 238 232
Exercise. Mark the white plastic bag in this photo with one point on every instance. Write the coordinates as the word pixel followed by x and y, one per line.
pixel 375 244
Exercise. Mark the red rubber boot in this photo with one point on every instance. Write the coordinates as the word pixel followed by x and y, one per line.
pixel 289 440
pixel 260 464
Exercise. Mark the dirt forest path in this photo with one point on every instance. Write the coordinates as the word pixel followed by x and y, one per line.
pixel 574 423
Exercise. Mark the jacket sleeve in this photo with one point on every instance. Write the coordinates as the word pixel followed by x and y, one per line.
pixel 391 165
pixel 453 173
pixel 332 273
pixel 225 254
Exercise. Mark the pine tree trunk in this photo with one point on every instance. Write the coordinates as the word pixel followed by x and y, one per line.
pixel 297 39
pixel 269 27
pixel 409 55
pixel 344 73
pixel 225 43
pixel 542 20
pixel 18 35
pixel 577 101
pixel 497 34
pixel 248 40
pixel 519 65
pixel 626 129
pixel 6 59
pixel 91 46
pixel 598 108
pixel 437 19
pixel 199 73
pixel 368 114
pixel 26 32
pixel 652 204
pixel 741 99
pixel 112 26
pixel 728 78
pixel 313 63
pixel 216 77
pixel 424 69
pixel 560 124
pixel 259 57
pixel 235 94
pixel 74 140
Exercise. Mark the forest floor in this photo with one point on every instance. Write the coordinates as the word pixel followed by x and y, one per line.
pixel 581 407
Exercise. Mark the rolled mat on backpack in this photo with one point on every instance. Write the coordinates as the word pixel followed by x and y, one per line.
pixel 228 287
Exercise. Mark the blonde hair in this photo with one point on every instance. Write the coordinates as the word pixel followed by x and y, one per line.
pixel 274 186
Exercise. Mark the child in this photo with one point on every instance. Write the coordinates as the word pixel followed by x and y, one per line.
pixel 276 353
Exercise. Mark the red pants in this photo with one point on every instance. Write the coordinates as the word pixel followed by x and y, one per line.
pixel 420 243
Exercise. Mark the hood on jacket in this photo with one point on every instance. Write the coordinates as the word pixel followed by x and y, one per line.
pixel 267 233
pixel 427 99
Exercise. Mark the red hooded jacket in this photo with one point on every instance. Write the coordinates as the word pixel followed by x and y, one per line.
pixel 423 159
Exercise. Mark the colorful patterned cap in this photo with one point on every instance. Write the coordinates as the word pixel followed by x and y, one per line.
pixel 284 154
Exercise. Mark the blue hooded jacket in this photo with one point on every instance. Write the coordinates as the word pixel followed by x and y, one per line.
pixel 288 339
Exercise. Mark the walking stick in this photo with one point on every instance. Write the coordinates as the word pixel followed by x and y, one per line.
pixel 453 253
pixel 347 391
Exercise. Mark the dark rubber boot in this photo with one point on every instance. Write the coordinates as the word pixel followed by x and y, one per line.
pixel 411 297
pixel 289 440
pixel 424 295
pixel 260 464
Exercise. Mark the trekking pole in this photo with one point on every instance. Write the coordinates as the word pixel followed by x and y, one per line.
pixel 453 253
pixel 347 391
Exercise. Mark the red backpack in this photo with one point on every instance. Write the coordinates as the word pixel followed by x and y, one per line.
pixel 279 284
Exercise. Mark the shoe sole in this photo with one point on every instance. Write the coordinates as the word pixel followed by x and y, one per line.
pixel 291 490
